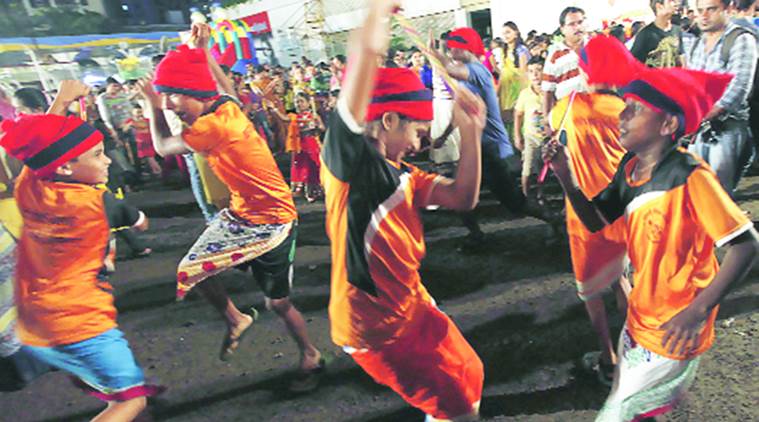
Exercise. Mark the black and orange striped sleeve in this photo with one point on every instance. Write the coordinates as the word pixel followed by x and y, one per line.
pixel 344 144
pixel 611 202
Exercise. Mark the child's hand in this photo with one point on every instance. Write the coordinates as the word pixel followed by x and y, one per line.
pixel 683 330
pixel 376 32
pixel 469 111
pixel 69 91
pixel 555 153
pixel 200 35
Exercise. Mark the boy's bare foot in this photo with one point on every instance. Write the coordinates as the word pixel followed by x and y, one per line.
pixel 235 335
pixel 307 377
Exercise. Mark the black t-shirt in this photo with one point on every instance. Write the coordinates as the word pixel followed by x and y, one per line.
pixel 658 48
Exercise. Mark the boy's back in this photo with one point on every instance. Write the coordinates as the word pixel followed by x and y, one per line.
pixel 242 160
pixel 60 255
pixel 63 296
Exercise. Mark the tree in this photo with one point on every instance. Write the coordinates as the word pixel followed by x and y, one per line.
pixel 15 22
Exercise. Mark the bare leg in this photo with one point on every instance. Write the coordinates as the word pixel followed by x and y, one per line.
pixel 309 354
pixel 124 411
pixel 237 322
pixel 597 314
pixel 155 168
pixel 525 185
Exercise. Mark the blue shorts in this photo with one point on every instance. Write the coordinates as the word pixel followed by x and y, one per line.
pixel 104 364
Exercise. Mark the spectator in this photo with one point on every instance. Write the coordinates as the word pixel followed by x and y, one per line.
pixel 660 43
pixel 420 67
pixel 561 73
pixel 29 101
pixel 724 141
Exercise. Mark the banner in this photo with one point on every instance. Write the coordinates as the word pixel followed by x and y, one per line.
pixel 259 23
pixel 71 42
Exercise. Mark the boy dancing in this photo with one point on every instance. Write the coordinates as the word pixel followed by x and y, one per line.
pixel 66 315
pixel 380 313
pixel 259 228
pixel 675 212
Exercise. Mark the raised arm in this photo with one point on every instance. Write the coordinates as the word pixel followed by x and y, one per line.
pixel 462 193
pixel 68 92
pixel 199 38
pixel 163 142
pixel 367 42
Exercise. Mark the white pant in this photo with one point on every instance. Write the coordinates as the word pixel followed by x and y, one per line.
pixel 449 152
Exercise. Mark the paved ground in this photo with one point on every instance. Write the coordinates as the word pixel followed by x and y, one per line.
pixel 515 301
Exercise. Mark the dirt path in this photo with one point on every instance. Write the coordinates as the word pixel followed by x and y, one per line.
pixel 515 302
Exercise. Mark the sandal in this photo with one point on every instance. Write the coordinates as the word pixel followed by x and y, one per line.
pixel 308 380
pixel 230 344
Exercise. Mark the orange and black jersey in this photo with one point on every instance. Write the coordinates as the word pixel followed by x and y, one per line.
pixel 673 220
pixel 376 234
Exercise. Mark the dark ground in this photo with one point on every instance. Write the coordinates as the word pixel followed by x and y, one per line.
pixel 515 302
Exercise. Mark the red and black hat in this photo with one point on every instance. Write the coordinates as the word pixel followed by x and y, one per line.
pixel 401 91
pixel 185 71
pixel 44 142
pixel 687 94
pixel 466 39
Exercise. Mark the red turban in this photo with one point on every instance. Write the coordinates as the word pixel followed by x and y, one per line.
pixel 466 39
pixel 185 71
pixel 401 91
pixel 687 94
pixel 607 61
pixel 44 142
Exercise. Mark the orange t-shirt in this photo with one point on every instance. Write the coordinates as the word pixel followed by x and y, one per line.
pixel 593 142
pixel 62 292
pixel 377 238
pixel 241 159
pixel 674 220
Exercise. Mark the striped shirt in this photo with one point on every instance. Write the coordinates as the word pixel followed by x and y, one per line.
pixel 741 63
pixel 561 73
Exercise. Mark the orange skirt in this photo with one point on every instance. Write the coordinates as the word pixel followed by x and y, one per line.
pixel 433 368
pixel 597 258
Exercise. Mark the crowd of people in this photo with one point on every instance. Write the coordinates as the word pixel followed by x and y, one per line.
pixel 647 130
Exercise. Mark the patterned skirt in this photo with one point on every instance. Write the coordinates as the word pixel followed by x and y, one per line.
pixel 227 242
pixel 9 343
pixel 645 383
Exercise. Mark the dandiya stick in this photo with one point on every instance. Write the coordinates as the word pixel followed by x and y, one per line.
pixel 421 45
pixel 82 108
pixel 546 165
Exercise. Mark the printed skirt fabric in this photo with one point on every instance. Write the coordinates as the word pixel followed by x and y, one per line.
pixel 9 342
pixel 645 383
pixel 226 243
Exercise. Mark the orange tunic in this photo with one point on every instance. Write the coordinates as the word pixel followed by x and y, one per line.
pixel 674 220
pixel 595 152
pixel 243 162
pixel 61 295
pixel 377 240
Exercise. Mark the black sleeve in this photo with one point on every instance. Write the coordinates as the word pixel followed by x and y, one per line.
pixel 119 213
pixel 344 148
pixel 642 45
pixel 610 202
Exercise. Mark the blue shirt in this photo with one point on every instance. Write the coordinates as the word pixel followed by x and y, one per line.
pixel 480 82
